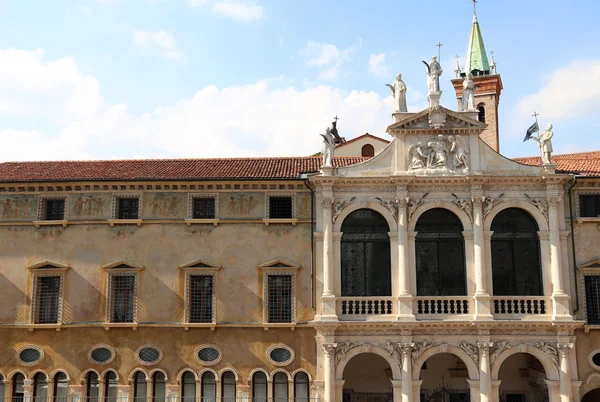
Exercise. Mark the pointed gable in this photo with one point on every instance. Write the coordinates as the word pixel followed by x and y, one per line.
pixel 199 263
pixel 48 265
pixel 122 265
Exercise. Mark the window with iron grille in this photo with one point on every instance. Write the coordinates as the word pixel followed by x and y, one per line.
pixel 47 299
pixel 592 299
pixel 280 207
pixel 54 210
pixel 279 298
pixel 128 208
pixel 589 206
pixel 123 298
pixel 203 208
pixel 200 298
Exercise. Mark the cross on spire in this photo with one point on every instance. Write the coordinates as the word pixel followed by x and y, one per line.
pixel 336 118
pixel 535 114
pixel 439 46
pixel 474 6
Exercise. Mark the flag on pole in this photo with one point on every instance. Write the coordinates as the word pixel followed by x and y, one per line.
pixel 533 129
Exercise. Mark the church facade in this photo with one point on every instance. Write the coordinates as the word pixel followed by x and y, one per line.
pixel 431 268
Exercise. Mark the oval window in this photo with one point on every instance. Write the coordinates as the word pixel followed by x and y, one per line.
pixel 149 355
pixel 101 355
pixel 208 355
pixel 30 355
pixel 280 355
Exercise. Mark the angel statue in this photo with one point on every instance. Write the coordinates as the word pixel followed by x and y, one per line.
pixel 328 146
pixel 459 150
pixel 434 71
pixel 418 156
pixel 399 93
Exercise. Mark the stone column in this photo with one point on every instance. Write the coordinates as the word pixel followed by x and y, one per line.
pixel 242 392
pixel 75 393
pixel 339 390
pixel 482 295
pixel 327 298
pixel 123 392
pixel 172 391
pixel 101 388
pixel 337 263
pixel 565 377
pixel 553 390
pixel 495 397
pixel 329 371
pixel 407 389
pixel 485 384
pixel 416 387
pixel 404 294
pixel 474 389
pixel 149 390
pixel 27 390
pixel 396 390
pixel 290 390
pixel 560 297
pixel 218 389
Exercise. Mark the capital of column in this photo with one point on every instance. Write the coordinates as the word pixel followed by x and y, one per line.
pixel 406 348
pixel 327 202
pixel 563 348
pixel 554 200
pixel 402 201
pixel 329 349
pixel 477 201
pixel 484 347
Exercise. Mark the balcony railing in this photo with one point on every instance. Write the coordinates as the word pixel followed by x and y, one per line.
pixel 361 307
pixel 131 398
pixel 516 307
pixel 441 307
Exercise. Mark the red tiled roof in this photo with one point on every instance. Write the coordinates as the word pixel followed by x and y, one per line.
pixel 167 169
pixel 581 163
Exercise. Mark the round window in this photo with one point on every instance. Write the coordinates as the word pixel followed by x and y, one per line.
pixel 30 355
pixel 102 354
pixel 596 359
pixel 149 355
pixel 208 355
pixel 280 355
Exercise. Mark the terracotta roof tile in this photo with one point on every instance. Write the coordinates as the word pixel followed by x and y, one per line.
pixel 166 169
pixel 581 164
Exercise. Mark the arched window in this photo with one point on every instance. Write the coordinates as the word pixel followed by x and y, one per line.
pixel 481 115
pixel 209 387
pixel 92 387
pixel 440 254
pixel 516 267
pixel 40 387
pixel 158 387
pixel 140 389
pixel 61 387
pixel 301 387
pixel 17 388
pixel 366 267
pixel 110 387
pixel 188 387
pixel 228 386
pixel 2 390
pixel 259 387
pixel 367 151
pixel 280 387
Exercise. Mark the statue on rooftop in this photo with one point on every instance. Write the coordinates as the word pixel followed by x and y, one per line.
pixel 398 89
pixel 328 147
pixel 434 71
pixel 544 139
pixel 468 95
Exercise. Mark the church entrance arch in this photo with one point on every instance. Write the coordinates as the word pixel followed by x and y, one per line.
pixel 444 379
pixel 523 379
pixel 368 378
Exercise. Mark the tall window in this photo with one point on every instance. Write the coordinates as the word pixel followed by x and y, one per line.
pixel 200 298
pixel 209 387
pixel 40 387
pixel 188 387
pixel 203 208
pixel 367 150
pixel 481 115
pixel 301 387
pixel 2 388
pixel 280 298
pixel 228 386
pixel 280 207
pixel 516 266
pixel 589 206
pixel 366 266
pixel 259 387
pixel 61 387
pixel 128 208
pixel 123 298
pixel 53 209
pixel 280 387
pixel 47 299
pixel 92 387
pixel 140 389
pixel 440 254
pixel 159 387
pixel 592 299
pixel 110 387
pixel 18 392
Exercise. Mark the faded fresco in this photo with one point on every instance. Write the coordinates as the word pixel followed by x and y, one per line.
pixel 89 206
pixel 303 206
pixel 19 207
pixel 242 205
pixel 164 205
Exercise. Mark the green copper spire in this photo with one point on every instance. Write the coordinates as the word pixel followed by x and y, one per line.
pixel 476 58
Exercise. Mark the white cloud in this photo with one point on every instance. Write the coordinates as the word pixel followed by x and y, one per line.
pixel 163 40
pixel 327 57
pixel 239 10
pixel 377 65
pixel 264 118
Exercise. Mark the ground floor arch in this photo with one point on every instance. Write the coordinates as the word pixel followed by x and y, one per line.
pixel 367 377
pixel 444 378
pixel 592 396
pixel 522 378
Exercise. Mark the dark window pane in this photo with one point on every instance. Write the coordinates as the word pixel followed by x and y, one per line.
pixel 368 150
pixel 280 298
pixel 55 210
pixel 228 386
pixel 203 208
pixel 128 208
pixel 481 114
pixel 589 206
pixel 123 295
pixel 592 299
pixel 259 387
pixel 280 207
pixel 201 298
pixel 47 297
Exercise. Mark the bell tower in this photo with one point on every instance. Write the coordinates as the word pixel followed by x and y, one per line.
pixel 488 84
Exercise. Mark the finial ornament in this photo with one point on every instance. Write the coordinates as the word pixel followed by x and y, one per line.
pixel 458 70
pixel 398 89
pixel 474 6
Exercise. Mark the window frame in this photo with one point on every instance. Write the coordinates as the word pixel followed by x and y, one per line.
pixel 46 269
pixel 121 268
pixel 190 220
pixel 202 268
pixel 578 202
pixel 42 209
pixel 291 220
pixel 115 220
pixel 591 268
pixel 279 268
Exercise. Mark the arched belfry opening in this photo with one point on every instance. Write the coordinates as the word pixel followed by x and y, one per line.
pixel 365 255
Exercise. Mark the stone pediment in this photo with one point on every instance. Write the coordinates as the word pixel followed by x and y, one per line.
pixel 434 118
pixel 593 265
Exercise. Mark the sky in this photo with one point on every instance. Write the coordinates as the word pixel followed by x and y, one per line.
pixel 107 79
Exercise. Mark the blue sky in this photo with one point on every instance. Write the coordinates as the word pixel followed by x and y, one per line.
pixel 206 78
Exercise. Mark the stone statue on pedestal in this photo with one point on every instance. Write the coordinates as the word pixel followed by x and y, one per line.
pixel 399 92
pixel 434 71
pixel 468 95
pixel 545 142
pixel 328 147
